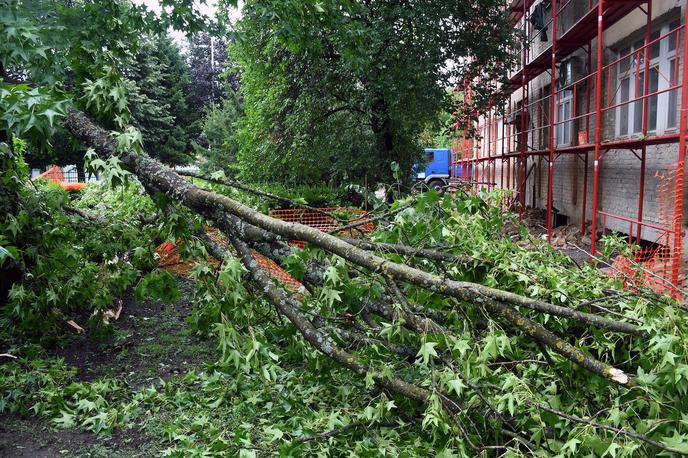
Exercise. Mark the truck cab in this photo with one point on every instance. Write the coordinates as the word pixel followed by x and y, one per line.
pixel 434 171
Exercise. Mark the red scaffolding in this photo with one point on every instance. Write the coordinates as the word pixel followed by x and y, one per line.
pixel 515 140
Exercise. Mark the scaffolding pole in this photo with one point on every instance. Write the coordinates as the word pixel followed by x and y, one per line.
pixel 524 135
pixel 552 117
pixel 646 101
pixel 683 137
pixel 598 127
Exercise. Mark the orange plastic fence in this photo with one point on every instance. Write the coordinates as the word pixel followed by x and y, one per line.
pixel 326 221
pixel 55 174
pixel 280 275
pixel 659 267
pixel 170 260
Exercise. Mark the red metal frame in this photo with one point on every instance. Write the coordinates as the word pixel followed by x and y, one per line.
pixel 492 144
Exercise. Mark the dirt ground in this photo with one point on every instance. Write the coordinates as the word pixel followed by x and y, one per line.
pixel 35 437
pixel 568 239
pixel 151 341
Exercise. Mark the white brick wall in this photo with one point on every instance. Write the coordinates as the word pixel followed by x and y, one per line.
pixel 619 173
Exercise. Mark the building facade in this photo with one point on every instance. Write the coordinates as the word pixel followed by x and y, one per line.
pixel 591 140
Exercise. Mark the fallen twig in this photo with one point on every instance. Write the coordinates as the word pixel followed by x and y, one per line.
pixel 620 431
pixel 338 431
pixel 238 185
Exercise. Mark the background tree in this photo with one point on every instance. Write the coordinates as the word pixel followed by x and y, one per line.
pixel 55 51
pixel 437 133
pixel 217 147
pixel 335 88
pixel 208 61
pixel 158 88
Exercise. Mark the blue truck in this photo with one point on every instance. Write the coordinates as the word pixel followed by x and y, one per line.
pixel 435 171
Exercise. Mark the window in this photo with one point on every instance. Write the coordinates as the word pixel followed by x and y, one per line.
pixel 672 54
pixel 564 122
pixel 544 121
pixel 662 107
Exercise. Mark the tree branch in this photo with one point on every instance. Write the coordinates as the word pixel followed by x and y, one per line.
pixel 620 431
pixel 238 185
pixel 217 208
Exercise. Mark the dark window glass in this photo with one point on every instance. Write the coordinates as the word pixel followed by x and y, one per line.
pixel 652 103
pixel 654 49
pixel 672 38
pixel 638 105
pixel 625 63
pixel 623 109
pixel 673 97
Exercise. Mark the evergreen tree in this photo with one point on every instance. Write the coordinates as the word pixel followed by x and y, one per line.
pixel 208 61
pixel 158 82
pixel 218 147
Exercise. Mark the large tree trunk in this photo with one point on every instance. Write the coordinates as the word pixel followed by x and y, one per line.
pixel 241 221
pixel 247 228
pixel 381 125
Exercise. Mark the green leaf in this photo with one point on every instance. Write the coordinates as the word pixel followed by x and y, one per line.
pixel 50 114
pixel 612 450
pixel 65 420
pixel 4 253
pixel 457 386
pixel 570 447
pixel 330 295
pixel 274 432
pixel 677 441
pixel 427 351
pixel 219 175
pixel 331 276
pixel 158 285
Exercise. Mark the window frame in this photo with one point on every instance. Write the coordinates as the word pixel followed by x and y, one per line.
pixel 560 129
pixel 661 66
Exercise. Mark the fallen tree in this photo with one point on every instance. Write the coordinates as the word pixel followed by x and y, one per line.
pixel 440 351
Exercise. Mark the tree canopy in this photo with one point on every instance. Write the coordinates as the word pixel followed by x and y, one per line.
pixel 344 88
pixel 111 58
pixel 159 92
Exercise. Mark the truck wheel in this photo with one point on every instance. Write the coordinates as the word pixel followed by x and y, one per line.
pixel 437 185
pixel 419 186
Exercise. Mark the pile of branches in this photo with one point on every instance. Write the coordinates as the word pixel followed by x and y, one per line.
pixel 401 270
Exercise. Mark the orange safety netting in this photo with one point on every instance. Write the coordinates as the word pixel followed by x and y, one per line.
pixel 660 267
pixel 279 275
pixel 171 260
pixel 55 174
pixel 326 221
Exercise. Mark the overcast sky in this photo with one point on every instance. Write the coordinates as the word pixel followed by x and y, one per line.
pixel 208 8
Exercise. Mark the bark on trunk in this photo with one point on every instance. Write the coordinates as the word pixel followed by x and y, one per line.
pixel 233 217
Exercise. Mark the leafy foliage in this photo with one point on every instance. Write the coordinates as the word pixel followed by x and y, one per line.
pixel 316 75
pixel 219 147
pixel 66 263
pixel 343 89
pixel 46 388
pixel 510 370
pixel 158 94
pixel 314 195
pixel 267 367
pixel 52 53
